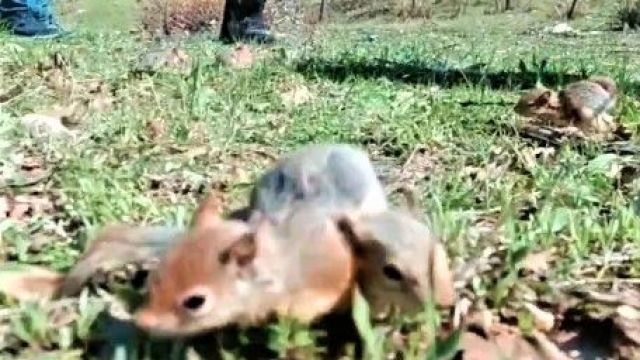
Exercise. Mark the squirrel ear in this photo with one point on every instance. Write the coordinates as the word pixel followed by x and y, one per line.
pixel 241 252
pixel 347 227
pixel 542 99
pixel 208 212
pixel 441 277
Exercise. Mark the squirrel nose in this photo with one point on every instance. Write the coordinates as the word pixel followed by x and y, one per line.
pixel 147 320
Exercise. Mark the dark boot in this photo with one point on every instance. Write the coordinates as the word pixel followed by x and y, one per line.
pixel 243 20
pixel 33 18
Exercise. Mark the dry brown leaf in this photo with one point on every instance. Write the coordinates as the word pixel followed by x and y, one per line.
pixel 504 344
pixel 19 211
pixel 177 58
pixel 531 157
pixel 31 171
pixel 240 58
pixel 46 127
pixel 4 207
pixel 296 96
pixel 23 207
pixel 538 263
pixel 28 283
pixel 628 321
pixel 60 82
pixel 156 129
pixel 548 348
pixel 542 320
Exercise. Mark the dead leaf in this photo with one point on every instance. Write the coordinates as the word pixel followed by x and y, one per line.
pixel 538 263
pixel 28 283
pixel 23 207
pixel 11 93
pixel 548 348
pixel 177 57
pixel 503 344
pixel 19 211
pixel 542 320
pixel 296 96
pixel 43 126
pixel 60 82
pixel 628 321
pixel 4 207
pixel 240 58
pixel 156 129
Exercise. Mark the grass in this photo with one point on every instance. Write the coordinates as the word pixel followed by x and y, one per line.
pixel 393 88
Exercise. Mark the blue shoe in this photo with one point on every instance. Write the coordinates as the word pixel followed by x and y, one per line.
pixel 30 18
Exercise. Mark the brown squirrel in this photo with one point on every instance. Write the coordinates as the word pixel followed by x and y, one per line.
pixel 226 272
pixel 336 176
pixel 585 104
pixel 401 264
pixel 305 193
pixel 307 265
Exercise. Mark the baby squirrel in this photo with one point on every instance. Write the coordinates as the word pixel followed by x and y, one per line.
pixel 585 104
pixel 227 272
pixel 401 263
pixel 338 176
pixel 313 186
pixel 341 178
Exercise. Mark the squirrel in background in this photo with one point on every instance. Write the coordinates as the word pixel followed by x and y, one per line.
pixel 585 104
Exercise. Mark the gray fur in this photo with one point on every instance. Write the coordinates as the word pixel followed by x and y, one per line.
pixel 336 175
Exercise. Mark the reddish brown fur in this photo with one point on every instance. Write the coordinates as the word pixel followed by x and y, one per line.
pixel 301 268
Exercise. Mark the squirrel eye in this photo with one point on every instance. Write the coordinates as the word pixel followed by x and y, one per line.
pixel 392 272
pixel 194 302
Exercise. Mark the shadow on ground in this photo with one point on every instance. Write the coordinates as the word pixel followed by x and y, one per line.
pixel 418 72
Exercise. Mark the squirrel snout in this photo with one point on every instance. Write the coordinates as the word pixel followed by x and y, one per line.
pixel 147 320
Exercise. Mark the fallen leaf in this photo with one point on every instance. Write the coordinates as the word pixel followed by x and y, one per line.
pixel 542 320
pixel 28 283
pixel 19 211
pixel 505 344
pixel 43 126
pixel 628 321
pixel 154 60
pixel 296 96
pixel 538 263
pixel 31 172
pixel 10 94
pixel 177 57
pixel 4 207
pixel 156 128
pixel 239 58
pixel 548 348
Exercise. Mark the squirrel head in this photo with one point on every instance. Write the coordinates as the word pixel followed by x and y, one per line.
pixel 402 265
pixel 536 100
pixel 208 279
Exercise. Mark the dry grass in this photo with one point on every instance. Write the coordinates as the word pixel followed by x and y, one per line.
pixel 174 16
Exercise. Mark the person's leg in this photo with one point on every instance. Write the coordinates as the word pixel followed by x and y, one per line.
pixel 29 17
pixel 244 20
